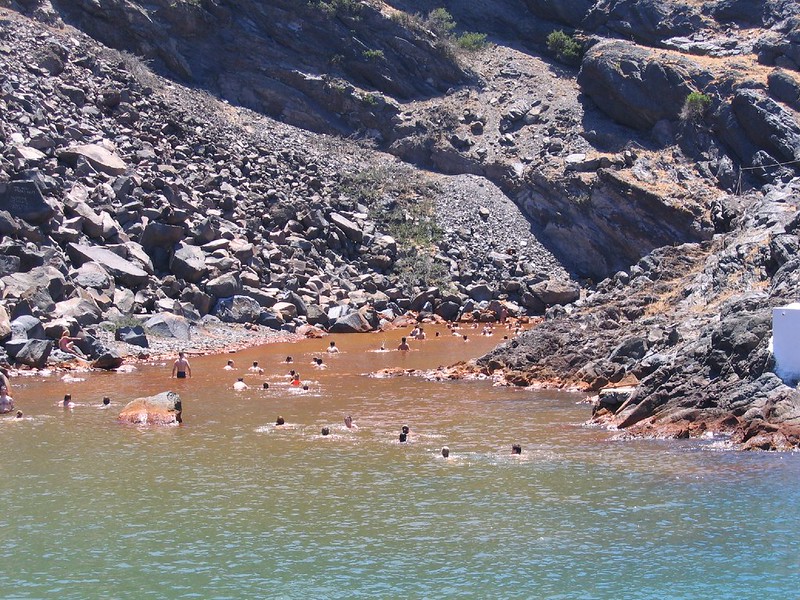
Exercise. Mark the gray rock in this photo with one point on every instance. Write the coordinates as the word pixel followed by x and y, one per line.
pixel 553 292
pixel 169 326
pixel 238 309
pixel 224 286
pixel 189 263
pixel 132 335
pixel 82 310
pixel 160 235
pixel 24 200
pixel 108 360
pixel 93 275
pixel 479 292
pixel 350 228
pixel 33 352
pixel 99 157
pixel 27 327
pixel 124 271
pixel 352 322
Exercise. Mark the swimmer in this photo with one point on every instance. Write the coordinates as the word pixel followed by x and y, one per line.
pixel 288 359
pixel 516 449
pixel 280 421
pixel 6 401
pixel 181 367
pixel 265 386
pixel 318 364
pixel 305 388
pixel 229 366
pixel 414 332
pixel 404 347
pixel 325 431
pixel 383 346
pixel 332 349
pixel 405 429
pixel 348 422
pixel 296 380
pixel 403 438
pixel 437 334
pixel 255 368
pixel 420 334
pixel 106 402
pixel 466 339
pixel 240 385
pixel 445 452
pixel 68 403
pixel 19 414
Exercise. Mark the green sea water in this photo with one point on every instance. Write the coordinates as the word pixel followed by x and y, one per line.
pixel 229 506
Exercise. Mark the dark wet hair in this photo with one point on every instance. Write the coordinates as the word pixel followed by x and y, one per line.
pixel 288 359
pixel 67 396
pixel 516 449
pixel 405 429
pixel 265 385
pixel 445 451
pixel 403 437
pixel 106 400
pixel 279 421
pixel 325 430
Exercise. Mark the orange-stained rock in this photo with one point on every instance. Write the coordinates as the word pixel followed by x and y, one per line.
pixel 161 409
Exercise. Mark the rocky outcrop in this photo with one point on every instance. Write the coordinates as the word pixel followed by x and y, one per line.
pixel 162 409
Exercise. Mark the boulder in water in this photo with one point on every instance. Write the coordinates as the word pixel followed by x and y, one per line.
pixel 161 409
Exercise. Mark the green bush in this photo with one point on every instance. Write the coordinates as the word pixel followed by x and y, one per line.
pixel 695 106
pixel 373 54
pixel 472 41
pixel 440 22
pixel 565 47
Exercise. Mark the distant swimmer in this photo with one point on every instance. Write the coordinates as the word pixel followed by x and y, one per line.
pixel 19 414
pixel 265 386
pixel 325 431
pixel 255 368
pixel 280 422
pixel 318 364
pixel 420 334
pixel 288 359
pixel 404 345
pixel 445 452
pixel 6 401
pixel 181 367
pixel 415 332
pixel 240 385
pixel 296 380
pixel 332 349
pixel 348 422
pixel 106 402
pixel 466 339
pixel 229 366
pixel 403 437
pixel 406 430
pixel 68 403
pixel 516 449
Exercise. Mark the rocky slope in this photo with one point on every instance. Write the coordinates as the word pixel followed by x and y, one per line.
pixel 660 159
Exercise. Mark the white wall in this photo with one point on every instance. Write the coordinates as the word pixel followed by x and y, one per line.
pixel 786 341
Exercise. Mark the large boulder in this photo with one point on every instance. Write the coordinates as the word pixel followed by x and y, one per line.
pixel 93 275
pixel 27 327
pixel 108 360
pixel 169 326
pixel 24 200
pixel 162 409
pixel 555 291
pixel 160 235
pixel 99 157
pixel 132 335
pixel 224 286
pixel 123 270
pixel 84 311
pixel 352 322
pixel 189 263
pixel 350 228
pixel 638 87
pixel 33 353
pixel 237 309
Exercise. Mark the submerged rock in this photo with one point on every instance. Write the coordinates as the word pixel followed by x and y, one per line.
pixel 161 409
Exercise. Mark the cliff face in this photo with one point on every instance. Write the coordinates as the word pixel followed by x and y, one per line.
pixel 659 157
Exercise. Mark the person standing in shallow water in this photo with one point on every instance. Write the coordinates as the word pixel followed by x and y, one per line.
pixel 181 367
pixel 332 349
pixel 404 347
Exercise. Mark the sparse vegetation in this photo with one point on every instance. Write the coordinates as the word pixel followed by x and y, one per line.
pixel 694 107
pixel 440 22
pixel 472 41
pixel 334 8
pixel 565 47
pixel 374 54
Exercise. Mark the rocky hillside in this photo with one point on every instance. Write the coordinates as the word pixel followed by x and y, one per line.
pixel 652 147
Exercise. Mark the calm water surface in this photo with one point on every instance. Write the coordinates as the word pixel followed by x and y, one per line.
pixel 228 506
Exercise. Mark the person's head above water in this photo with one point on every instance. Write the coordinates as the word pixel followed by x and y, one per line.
pixel 516 449
pixel 288 359
pixel 445 451
pixel 325 431
pixel 279 421
pixel 405 429
pixel 265 385
pixel 255 363
pixel 106 400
